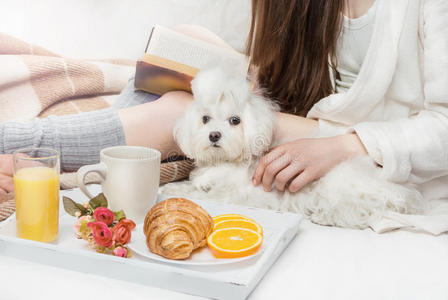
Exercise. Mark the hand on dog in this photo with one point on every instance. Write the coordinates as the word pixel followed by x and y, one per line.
pixel 297 163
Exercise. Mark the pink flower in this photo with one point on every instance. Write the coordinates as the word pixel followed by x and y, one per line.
pixel 120 251
pixel 105 215
pixel 122 231
pixel 101 233
pixel 128 223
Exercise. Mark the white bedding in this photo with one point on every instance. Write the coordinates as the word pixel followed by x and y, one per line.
pixel 321 263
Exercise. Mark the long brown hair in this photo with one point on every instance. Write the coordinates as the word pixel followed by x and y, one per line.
pixel 292 45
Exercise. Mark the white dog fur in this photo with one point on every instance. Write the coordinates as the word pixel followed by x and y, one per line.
pixel 352 194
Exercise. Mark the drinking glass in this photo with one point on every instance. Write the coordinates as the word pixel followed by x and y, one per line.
pixel 36 191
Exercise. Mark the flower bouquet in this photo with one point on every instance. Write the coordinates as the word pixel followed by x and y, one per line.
pixel 105 231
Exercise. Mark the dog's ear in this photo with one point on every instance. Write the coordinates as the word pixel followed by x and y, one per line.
pixel 259 123
pixel 207 85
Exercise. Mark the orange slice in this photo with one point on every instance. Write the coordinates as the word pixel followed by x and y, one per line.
pixel 230 217
pixel 239 223
pixel 234 242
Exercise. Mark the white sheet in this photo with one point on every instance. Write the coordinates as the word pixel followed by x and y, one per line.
pixel 320 263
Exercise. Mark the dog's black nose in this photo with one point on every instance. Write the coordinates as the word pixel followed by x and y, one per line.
pixel 214 136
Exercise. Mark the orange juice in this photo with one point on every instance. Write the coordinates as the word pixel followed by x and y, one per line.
pixel 36 192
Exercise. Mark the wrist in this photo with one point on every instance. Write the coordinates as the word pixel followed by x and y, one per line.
pixel 352 145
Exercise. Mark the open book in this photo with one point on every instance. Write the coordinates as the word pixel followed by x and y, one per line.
pixel 173 59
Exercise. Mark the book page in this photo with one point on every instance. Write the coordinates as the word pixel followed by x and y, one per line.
pixel 181 48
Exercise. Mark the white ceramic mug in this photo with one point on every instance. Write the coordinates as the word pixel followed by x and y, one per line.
pixel 130 179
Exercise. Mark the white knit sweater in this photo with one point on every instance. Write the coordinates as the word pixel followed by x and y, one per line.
pixel 399 103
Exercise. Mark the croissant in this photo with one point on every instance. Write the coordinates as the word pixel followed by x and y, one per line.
pixel 175 227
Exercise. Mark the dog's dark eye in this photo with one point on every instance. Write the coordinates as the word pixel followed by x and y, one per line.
pixel 235 120
pixel 205 119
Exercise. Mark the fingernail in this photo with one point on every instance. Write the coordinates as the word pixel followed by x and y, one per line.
pixel 254 181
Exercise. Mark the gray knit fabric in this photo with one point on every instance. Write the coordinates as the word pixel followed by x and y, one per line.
pixel 78 138
pixel 130 97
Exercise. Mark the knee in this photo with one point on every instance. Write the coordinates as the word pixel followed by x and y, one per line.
pixel 177 99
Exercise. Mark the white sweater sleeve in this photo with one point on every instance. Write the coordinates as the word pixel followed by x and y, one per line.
pixel 418 144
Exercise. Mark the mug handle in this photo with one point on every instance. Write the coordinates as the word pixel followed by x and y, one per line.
pixel 100 168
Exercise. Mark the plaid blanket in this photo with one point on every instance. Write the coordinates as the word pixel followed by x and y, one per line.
pixel 35 82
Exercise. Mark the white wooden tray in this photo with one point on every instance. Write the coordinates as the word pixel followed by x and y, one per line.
pixel 231 281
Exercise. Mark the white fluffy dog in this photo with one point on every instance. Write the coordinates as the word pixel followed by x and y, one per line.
pixel 228 128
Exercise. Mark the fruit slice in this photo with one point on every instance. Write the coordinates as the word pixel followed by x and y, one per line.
pixel 234 242
pixel 230 217
pixel 239 223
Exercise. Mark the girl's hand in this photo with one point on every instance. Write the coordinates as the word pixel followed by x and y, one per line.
pixel 297 163
pixel 6 173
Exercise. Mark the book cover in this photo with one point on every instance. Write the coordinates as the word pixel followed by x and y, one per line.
pixel 158 80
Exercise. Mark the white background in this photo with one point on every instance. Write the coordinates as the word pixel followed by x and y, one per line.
pixel 116 28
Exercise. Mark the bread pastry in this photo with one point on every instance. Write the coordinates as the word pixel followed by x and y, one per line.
pixel 175 227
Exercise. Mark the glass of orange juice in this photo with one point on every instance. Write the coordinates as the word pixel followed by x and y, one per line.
pixel 36 191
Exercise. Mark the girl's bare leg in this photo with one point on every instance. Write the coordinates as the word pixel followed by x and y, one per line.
pixel 151 124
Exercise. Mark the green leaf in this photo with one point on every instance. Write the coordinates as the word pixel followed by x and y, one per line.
pixel 119 215
pixel 71 207
pixel 98 201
